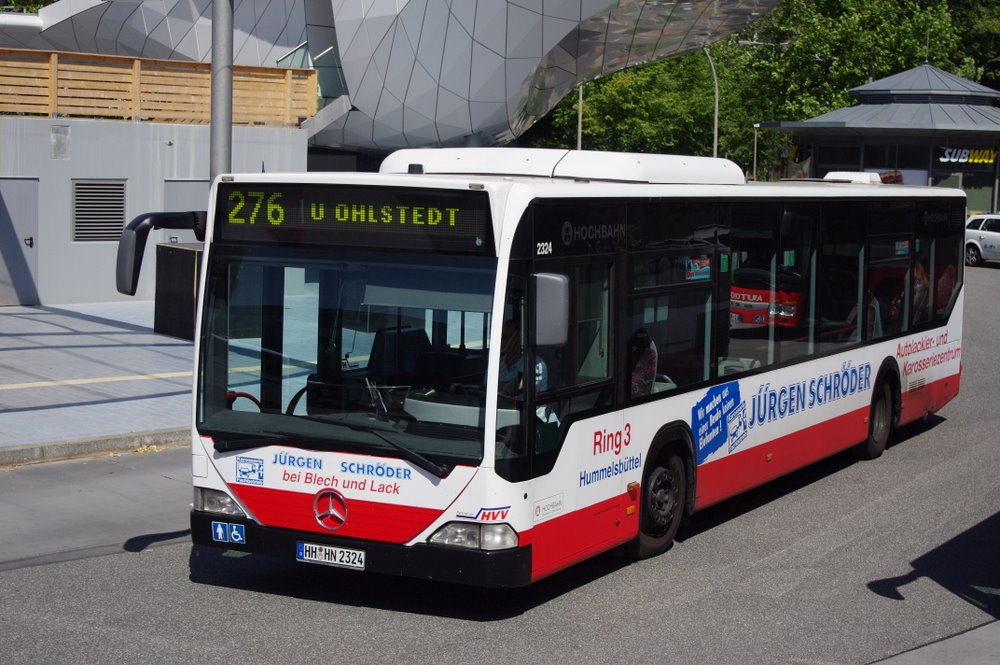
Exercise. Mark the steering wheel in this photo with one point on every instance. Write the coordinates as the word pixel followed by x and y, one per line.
pixel 233 395
pixel 294 402
pixel 469 389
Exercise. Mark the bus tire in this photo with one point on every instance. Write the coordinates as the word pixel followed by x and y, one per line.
pixel 879 422
pixel 664 487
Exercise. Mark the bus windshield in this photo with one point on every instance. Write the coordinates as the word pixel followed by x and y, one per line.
pixel 369 352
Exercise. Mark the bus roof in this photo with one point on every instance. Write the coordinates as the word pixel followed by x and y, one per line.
pixel 569 164
pixel 564 170
pixel 551 173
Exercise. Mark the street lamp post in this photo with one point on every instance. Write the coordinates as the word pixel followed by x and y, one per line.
pixel 579 117
pixel 715 124
pixel 756 126
pixel 221 123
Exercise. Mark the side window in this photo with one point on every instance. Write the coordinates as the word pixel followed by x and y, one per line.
pixel 992 225
pixel 565 381
pixel 841 249
pixel 921 277
pixel 794 281
pixel 889 283
pixel 670 314
pixel 752 292
pixel 668 343
pixel 578 374
pixel 948 236
pixel 974 223
pixel 586 357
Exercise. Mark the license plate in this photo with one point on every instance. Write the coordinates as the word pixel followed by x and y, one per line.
pixel 330 556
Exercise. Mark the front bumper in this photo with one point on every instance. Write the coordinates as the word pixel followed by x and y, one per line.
pixel 504 568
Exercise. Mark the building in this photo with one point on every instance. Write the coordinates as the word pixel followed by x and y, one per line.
pixel 404 73
pixel 88 143
pixel 923 126
pixel 389 74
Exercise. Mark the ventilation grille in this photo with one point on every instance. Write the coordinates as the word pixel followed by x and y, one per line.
pixel 98 210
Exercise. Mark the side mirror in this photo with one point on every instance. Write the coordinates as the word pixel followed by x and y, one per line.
pixel 551 309
pixel 132 244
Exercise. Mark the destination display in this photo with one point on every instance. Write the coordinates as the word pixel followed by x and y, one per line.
pixel 397 218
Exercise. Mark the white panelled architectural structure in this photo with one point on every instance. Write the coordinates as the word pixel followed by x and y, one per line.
pixel 399 73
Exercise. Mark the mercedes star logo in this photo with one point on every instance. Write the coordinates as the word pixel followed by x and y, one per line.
pixel 330 509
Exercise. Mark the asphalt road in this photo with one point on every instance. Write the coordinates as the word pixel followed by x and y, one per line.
pixel 844 562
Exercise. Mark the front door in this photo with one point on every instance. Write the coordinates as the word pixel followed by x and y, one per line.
pixel 18 241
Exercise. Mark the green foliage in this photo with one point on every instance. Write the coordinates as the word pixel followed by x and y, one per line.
pixel 796 62
pixel 978 22
pixel 31 6
pixel 647 109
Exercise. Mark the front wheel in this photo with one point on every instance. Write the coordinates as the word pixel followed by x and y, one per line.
pixel 664 490
pixel 879 423
pixel 972 256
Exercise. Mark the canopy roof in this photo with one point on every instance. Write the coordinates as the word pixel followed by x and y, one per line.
pixel 921 101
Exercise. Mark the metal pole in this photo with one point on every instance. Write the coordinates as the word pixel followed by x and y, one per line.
pixel 221 127
pixel 756 126
pixel 579 118
pixel 715 125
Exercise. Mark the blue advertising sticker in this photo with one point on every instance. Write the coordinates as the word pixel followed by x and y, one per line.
pixel 717 418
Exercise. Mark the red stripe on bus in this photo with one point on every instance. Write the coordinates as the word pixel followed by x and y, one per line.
pixel 383 522
pixel 741 471
pixel 928 399
pixel 571 538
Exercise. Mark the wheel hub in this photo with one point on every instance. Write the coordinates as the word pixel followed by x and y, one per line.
pixel 662 501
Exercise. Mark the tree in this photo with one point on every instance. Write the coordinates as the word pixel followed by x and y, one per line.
pixel 795 62
pixel 645 109
pixel 978 22
pixel 31 6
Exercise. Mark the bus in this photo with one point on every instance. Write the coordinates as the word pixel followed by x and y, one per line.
pixel 484 365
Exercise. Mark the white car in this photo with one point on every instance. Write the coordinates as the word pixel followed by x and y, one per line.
pixel 982 239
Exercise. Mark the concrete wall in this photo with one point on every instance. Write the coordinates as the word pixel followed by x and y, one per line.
pixel 165 166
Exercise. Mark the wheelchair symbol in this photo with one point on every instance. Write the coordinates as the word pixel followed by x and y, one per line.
pixel 237 534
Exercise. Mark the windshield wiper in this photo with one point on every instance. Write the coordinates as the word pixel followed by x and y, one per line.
pixel 265 438
pixel 226 441
pixel 429 465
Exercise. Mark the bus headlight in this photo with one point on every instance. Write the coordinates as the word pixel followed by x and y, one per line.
pixel 475 536
pixel 782 309
pixel 214 501
pixel 498 537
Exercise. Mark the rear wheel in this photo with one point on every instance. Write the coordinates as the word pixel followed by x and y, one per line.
pixel 879 423
pixel 972 256
pixel 664 490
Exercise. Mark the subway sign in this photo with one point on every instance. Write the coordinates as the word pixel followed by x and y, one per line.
pixel 965 158
pixel 355 216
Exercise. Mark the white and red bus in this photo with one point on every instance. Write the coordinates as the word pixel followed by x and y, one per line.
pixel 486 365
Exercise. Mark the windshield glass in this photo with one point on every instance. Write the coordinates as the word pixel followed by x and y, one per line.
pixel 383 353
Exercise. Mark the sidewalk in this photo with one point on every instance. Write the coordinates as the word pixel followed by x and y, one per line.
pixel 979 646
pixel 89 378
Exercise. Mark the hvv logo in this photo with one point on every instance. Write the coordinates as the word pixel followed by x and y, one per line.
pixel 487 514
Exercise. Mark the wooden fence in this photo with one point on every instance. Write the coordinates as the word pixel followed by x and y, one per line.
pixel 79 85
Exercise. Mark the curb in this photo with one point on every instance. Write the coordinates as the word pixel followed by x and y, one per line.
pixel 113 443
